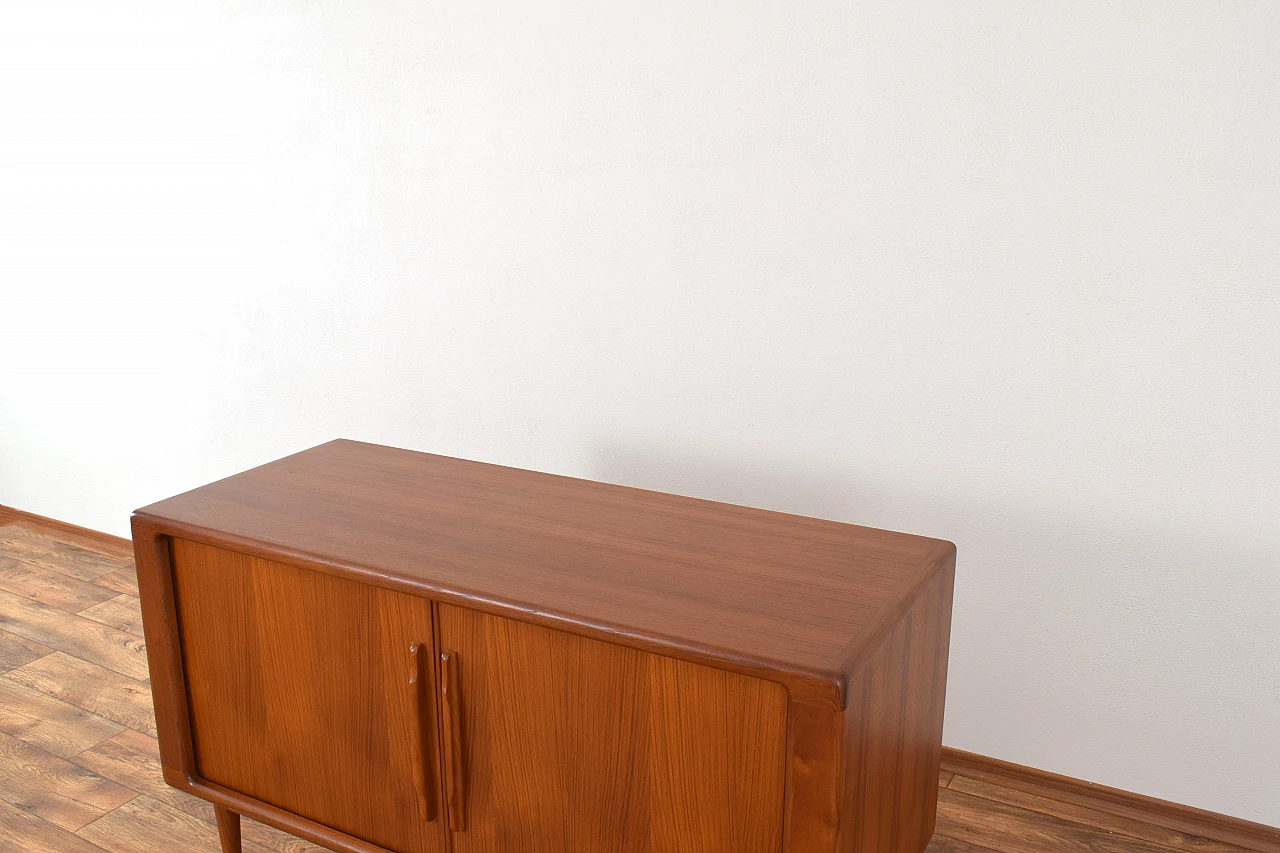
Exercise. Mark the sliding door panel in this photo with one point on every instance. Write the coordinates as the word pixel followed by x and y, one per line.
pixel 572 745
pixel 306 692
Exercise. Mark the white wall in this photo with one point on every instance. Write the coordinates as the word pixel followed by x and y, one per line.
pixel 1005 273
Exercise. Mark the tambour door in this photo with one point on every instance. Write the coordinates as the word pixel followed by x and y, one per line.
pixel 299 686
pixel 572 745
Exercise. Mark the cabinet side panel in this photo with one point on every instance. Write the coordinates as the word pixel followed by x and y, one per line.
pixel 893 730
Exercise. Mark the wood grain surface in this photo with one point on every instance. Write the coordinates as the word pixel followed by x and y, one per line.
pixel 86 639
pixel 1041 821
pixel 121 612
pixel 15 650
pixel 582 746
pixel 299 687
pixel 228 830
pixel 744 588
pixel 57 727
pixel 892 729
pixel 106 693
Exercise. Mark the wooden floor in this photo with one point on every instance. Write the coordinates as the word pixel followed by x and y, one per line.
pixel 79 770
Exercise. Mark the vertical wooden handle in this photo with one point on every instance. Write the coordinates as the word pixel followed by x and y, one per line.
pixel 451 719
pixel 418 686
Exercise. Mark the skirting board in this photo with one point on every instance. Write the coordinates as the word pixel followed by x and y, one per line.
pixel 1193 821
pixel 1113 801
pixel 115 545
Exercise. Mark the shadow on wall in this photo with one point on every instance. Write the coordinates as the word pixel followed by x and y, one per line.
pixel 1137 655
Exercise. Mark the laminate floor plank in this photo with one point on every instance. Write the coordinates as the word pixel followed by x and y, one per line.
pixel 122 580
pixel 47 586
pixel 93 688
pixel 1169 838
pixel 55 726
pixel 1009 829
pixel 133 760
pixel 64 794
pixel 123 612
pixel 84 638
pixel 130 761
pixel 24 832
pixel 943 844
pixel 146 825
pixel 944 779
pixel 51 552
pixel 16 651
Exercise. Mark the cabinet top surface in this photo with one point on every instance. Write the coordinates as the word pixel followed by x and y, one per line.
pixel 766 588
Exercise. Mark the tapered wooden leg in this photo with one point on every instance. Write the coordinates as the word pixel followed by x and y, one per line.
pixel 228 829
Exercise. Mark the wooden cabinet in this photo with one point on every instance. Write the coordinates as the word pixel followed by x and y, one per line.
pixel 383 650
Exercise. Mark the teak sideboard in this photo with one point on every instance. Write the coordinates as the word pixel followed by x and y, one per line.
pixel 382 650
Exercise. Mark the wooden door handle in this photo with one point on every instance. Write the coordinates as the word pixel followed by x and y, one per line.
pixel 419 684
pixel 451 711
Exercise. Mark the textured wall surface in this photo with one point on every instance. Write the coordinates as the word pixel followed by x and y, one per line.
pixel 1004 273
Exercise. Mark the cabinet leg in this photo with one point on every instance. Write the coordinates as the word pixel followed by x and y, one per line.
pixel 228 829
